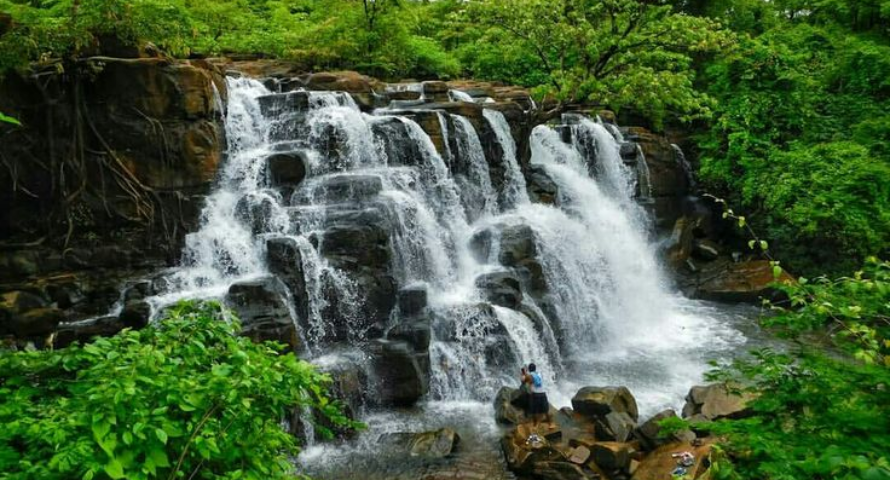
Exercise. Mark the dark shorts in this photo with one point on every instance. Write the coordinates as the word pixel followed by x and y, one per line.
pixel 539 404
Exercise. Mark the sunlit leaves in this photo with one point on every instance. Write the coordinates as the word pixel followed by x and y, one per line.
pixel 185 392
pixel 619 53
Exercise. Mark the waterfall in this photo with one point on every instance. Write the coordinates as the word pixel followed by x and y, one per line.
pixel 508 282
pixel 515 192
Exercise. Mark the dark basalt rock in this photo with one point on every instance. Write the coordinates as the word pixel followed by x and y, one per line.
pixel 286 170
pixel 278 103
pixel 402 373
pixel 86 332
pixel 412 301
pixel 501 288
pixel 541 187
pixel 262 308
pixel 393 135
pixel 255 209
pixel 135 314
pixel 347 187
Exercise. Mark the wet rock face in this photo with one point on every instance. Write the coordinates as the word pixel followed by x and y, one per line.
pixel 161 118
pixel 541 187
pixel 402 373
pixel 261 306
pixel 501 288
pixel 435 444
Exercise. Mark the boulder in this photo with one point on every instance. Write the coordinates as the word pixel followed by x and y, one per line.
pixel 541 187
pixel 649 433
pixel 508 408
pixel 36 322
pixel 402 373
pixel 362 251
pixel 615 426
pixel 435 87
pixel 611 456
pixel 286 169
pixel 412 300
pixel 20 301
pixel 84 332
pixel 600 401
pixel 136 314
pixel 501 288
pixel 435 444
pixel 262 308
pixel 416 331
pixel 716 401
pixel 278 103
pixel 347 187
pixel 741 282
pixel 522 456
pixel 256 210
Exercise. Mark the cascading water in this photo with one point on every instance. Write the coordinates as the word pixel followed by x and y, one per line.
pixel 576 288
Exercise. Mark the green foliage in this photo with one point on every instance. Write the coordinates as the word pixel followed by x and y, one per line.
pixel 186 398
pixel 800 133
pixel 8 119
pixel 619 52
pixel 856 310
pixel 382 37
pixel 818 415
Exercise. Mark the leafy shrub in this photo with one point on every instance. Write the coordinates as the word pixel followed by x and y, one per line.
pixel 819 414
pixel 185 398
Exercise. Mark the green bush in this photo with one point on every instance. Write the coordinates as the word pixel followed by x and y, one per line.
pixel 185 398
pixel 820 414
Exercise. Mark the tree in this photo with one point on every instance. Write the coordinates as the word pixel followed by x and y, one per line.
pixel 184 398
pixel 615 52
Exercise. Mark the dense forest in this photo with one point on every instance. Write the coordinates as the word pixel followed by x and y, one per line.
pixel 786 105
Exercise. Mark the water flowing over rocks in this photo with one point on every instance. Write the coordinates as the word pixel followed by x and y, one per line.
pixel 419 241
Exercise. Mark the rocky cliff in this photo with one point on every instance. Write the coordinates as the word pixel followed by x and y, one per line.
pixel 116 155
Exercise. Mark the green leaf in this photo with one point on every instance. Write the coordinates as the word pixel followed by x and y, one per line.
pixel 162 435
pixel 114 469
pixel 158 457
pixel 8 119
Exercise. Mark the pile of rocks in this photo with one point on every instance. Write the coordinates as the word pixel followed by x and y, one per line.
pixel 601 436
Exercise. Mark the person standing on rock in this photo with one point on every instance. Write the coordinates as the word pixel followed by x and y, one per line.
pixel 539 405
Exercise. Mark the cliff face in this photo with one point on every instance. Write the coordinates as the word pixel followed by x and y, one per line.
pixel 104 143
pixel 101 182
